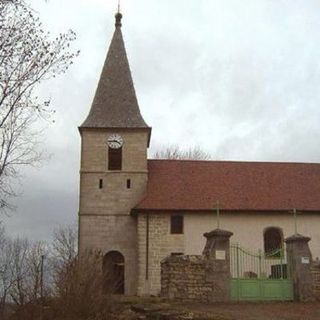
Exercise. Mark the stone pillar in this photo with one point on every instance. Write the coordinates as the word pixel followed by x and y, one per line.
pixel 217 254
pixel 299 266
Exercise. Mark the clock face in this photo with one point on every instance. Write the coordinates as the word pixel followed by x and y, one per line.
pixel 115 141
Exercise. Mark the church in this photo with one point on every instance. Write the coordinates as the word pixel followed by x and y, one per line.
pixel 137 211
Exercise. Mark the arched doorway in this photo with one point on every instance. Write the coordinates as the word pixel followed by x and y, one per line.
pixel 113 272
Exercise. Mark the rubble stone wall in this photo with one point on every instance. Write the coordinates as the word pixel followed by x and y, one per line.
pixel 315 270
pixel 184 278
pixel 199 278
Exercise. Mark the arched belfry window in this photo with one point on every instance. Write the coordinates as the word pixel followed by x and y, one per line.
pixel 273 241
pixel 114 158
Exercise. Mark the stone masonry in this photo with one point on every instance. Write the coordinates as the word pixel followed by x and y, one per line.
pixel 160 244
pixel 304 270
pixel 315 271
pixel 105 223
pixel 299 263
pixel 184 278
pixel 196 278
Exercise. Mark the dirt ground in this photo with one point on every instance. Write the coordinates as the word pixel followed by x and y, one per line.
pixel 232 310
pixel 258 311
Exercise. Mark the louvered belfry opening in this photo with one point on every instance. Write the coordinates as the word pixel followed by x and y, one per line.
pixel 115 159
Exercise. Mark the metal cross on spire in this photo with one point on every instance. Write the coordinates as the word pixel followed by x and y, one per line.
pixel 119 5
pixel 118 17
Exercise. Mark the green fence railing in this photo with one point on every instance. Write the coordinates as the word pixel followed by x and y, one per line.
pixel 258 275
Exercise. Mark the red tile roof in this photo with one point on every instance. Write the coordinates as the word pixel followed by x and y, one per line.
pixel 197 185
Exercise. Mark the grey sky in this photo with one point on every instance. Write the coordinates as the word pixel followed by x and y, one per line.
pixel 240 79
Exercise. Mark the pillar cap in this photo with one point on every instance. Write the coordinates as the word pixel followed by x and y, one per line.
pixel 218 233
pixel 297 238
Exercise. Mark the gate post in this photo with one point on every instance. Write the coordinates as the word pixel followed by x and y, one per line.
pixel 217 254
pixel 299 261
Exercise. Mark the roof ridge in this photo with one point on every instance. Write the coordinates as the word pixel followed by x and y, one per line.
pixel 236 161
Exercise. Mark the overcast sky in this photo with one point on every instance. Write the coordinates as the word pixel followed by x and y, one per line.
pixel 240 79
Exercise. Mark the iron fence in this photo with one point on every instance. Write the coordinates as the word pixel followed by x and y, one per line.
pixel 246 264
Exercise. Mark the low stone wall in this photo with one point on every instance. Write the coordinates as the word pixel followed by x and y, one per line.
pixel 315 270
pixel 184 278
pixel 204 278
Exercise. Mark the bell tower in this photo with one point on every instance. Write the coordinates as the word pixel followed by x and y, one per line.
pixel 113 172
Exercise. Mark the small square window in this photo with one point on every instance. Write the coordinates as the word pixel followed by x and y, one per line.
pixel 177 224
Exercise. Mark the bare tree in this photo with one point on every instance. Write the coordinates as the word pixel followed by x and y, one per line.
pixel 4 271
pixel 65 244
pixel 2 235
pixel 72 286
pixel 63 254
pixel 27 57
pixel 78 279
pixel 36 279
pixel 18 251
pixel 12 270
pixel 78 287
pixel 21 274
pixel 174 152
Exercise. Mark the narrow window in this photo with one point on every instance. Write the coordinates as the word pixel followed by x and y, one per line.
pixel 100 183
pixel 128 183
pixel 177 224
pixel 115 159
pixel 273 241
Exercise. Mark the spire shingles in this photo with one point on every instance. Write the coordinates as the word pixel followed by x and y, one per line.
pixel 115 103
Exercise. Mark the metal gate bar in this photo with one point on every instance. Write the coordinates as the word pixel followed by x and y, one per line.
pixel 259 276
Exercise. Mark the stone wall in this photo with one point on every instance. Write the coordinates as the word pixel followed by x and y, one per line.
pixel 315 270
pixel 112 233
pixel 184 278
pixel 199 278
pixel 105 223
pixel 94 151
pixel 299 263
pixel 114 197
pixel 161 243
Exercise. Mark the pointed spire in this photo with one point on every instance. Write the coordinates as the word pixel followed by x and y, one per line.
pixel 115 103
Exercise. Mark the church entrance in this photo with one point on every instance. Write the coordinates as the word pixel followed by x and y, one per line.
pixel 258 276
pixel 113 272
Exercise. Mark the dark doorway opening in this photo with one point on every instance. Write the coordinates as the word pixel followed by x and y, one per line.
pixel 113 272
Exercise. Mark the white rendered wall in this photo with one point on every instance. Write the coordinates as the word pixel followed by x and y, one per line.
pixel 248 228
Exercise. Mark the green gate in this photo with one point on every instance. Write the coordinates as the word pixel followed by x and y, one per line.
pixel 259 276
